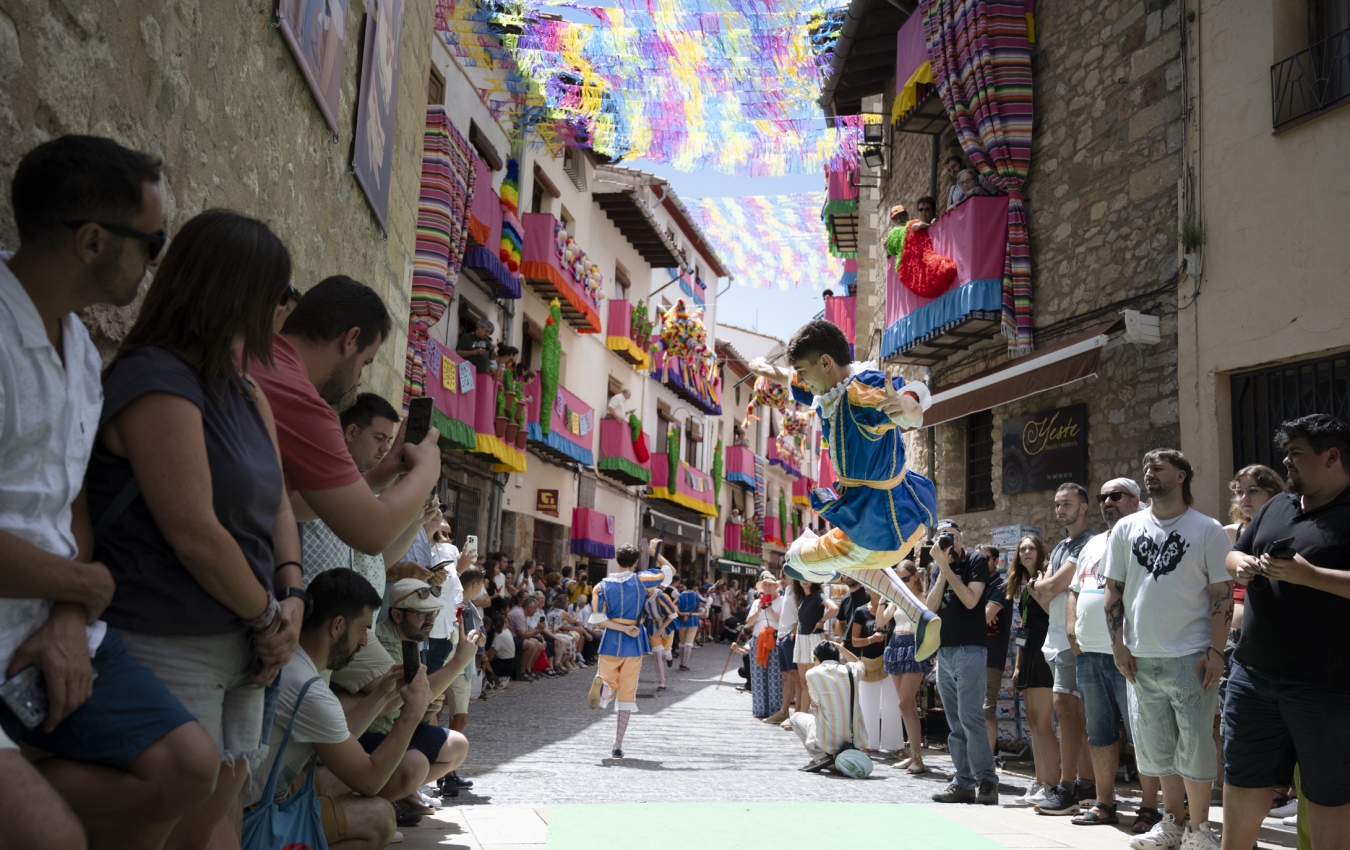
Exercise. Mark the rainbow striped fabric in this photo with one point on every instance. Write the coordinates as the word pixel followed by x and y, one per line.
pixel 982 65
pixel 442 232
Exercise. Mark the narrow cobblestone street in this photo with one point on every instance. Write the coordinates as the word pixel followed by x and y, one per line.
pixel 696 746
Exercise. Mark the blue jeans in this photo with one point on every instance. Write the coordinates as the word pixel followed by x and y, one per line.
pixel 961 682
pixel 1105 698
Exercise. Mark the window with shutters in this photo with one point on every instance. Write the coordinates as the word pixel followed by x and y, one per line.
pixel 980 461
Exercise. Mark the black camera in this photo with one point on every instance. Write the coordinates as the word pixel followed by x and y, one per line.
pixel 945 541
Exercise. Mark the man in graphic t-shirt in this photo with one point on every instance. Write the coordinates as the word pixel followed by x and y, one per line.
pixel 1102 685
pixel 1169 603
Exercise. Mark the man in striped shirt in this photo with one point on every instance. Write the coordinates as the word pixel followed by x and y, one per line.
pixel 826 732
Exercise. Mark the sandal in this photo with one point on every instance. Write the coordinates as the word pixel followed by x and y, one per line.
pixel 1094 817
pixel 1144 820
pixel 916 767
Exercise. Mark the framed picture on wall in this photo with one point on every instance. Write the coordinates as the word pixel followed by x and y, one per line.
pixel 316 32
pixel 377 103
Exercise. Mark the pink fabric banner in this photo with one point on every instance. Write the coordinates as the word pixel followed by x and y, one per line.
pixel 557 423
pixel 740 459
pixel 773 531
pixel 485 403
pixel 457 405
pixel 699 488
pixel 911 48
pixel 620 318
pixel 840 310
pixel 838 186
pixel 975 234
pixel 590 524
pixel 731 537
pixel 616 440
pixel 487 207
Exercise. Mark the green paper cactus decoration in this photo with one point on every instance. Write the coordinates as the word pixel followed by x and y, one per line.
pixel 638 319
pixel 717 474
pixel 550 362
pixel 501 401
pixel 782 516
pixel 673 456
pixel 634 426
pixel 520 412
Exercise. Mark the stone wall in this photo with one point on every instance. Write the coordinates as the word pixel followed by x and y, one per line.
pixel 1102 201
pixel 213 89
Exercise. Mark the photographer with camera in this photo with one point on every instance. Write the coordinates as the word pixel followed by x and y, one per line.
pixel 957 597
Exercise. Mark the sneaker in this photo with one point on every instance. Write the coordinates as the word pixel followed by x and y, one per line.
pixel 457 780
pixel 1059 801
pixel 1035 795
pixel 1289 808
pixel 1201 838
pixel 1292 820
pixel 986 793
pixel 1166 834
pixel 616 753
pixel 397 839
pixel 593 698
pixel 954 793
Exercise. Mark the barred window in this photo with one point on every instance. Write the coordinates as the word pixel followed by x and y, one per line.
pixel 980 461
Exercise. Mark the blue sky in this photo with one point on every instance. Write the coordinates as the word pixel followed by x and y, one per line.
pixel 769 311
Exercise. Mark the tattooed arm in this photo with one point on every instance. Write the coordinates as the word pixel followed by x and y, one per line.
pixel 1221 620
pixel 1115 624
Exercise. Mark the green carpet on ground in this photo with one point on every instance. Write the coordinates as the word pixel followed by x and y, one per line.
pixel 757 826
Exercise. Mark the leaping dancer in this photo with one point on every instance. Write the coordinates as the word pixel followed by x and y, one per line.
pixel 880 510
pixel 618 602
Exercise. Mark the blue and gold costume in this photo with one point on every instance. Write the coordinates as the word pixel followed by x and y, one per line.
pixel 688 605
pixel 621 597
pixel 881 510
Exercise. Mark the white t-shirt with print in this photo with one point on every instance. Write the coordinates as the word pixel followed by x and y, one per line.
pixel 1089 582
pixel 320 721
pixel 1167 567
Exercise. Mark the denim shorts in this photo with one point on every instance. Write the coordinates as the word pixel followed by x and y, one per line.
pixel 1172 717
pixel 211 676
pixel 129 710
pixel 426 739
pixel 1106 700
pixel 1064 667
pixel 1271 722
pixel 785 650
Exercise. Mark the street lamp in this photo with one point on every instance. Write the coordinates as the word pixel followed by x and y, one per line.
pixel 873 157
pixel 873 133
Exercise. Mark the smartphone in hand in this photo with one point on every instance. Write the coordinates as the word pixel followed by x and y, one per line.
pixel 419 420
pixel 412 660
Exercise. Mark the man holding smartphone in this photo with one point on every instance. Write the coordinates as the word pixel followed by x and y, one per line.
pixel 957 596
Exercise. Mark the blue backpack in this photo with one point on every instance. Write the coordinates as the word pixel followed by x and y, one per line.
pixel 295 822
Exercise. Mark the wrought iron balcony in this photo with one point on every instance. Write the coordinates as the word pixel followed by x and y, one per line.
pixel 1310 82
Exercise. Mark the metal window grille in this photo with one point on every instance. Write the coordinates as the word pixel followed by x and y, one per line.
pixel 461 509
pixel 980 461
pixel 1264 399
pixel 1311 81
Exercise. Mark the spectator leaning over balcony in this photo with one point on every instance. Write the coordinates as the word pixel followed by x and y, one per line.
pixel 1169 603
pixel 1290 684
pixel 127 758
pixel 204 550
pixel 618 405
pixel 476 347
pixel 1071 511
pixel 1105 699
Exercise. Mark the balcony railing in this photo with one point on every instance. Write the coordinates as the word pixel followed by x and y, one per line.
pixel 620 339
pixel 925 331
pixel 618 459
pixel 485 238
pixel 546 274
pixel 691 489
pixel 740 466
pixel 1310 82
pixel 571 433
pixel 686 380
pixel 734 547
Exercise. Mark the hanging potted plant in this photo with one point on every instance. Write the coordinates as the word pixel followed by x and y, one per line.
pixel 499 423
pixel 510 385
pixel 1192 236
pixel 522 430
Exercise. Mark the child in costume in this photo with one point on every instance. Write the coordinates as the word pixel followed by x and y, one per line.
pixel 879 509
pixel 618 602
pixel 690 604
pixel 661 616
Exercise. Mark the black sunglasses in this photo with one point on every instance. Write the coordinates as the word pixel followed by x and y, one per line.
pixel 155 241
pixel 1115 497
pixel 420 593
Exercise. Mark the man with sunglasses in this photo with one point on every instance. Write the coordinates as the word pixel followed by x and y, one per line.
pixel 414 607
pixel 1102 685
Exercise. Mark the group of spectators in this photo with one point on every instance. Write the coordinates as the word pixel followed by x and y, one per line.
pixel 1212 649
pixel 211 536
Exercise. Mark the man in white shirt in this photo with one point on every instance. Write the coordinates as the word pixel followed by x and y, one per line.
pixel 618 405
pixel 90 223
pixel 1169 603
pixel 355 788
pixel 828 682
pixel 1102 685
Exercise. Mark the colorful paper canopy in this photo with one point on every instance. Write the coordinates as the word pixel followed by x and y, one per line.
pixel 770 241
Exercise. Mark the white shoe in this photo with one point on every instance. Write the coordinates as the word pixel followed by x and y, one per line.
pixel 1292 820
pixel 1201 838
pixel 397 839
pixel 431 802
pixel 1035 795
pixel 1166 834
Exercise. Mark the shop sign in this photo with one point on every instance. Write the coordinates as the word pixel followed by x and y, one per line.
pixel 546 502
pixel 1044 450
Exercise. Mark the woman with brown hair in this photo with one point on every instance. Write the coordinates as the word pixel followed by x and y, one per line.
pixel 186 482
pixel 1031 673
pixel 906 673
pixel 1252 487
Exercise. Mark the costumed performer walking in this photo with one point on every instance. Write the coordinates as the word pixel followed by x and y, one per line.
pixel 618 602
pixel 660 622
pixel 880 509
pixel 690 604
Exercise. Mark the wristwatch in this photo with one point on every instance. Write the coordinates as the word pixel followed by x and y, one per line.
pixel 297 593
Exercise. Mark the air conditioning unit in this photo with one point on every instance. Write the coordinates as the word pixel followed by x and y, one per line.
pixel 1141 328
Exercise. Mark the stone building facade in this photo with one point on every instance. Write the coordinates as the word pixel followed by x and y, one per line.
pixel 213 90
pixel 1102 200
